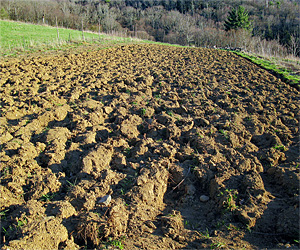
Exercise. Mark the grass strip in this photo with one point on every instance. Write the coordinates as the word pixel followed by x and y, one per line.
pixel 285 74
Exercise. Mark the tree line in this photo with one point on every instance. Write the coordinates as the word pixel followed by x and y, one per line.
pixel 274 26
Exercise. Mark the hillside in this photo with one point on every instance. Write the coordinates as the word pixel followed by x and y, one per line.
pixel 24 38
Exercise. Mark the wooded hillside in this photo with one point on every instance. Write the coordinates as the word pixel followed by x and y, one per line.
pixel 275 24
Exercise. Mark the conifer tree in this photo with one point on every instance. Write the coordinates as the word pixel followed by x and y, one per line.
pixel 4 14
pixel 238 19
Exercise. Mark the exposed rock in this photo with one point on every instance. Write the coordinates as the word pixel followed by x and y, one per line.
pixel 105 200
pixel 204 198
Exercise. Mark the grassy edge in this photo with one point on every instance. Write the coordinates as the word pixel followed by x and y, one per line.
pixel 283 73
pixel 31 46
pixel 63 46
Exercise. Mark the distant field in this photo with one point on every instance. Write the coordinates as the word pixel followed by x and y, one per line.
pixel 18 36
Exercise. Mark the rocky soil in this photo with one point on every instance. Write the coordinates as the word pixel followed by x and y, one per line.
pixel 196 148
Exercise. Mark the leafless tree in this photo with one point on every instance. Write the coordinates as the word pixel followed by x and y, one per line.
pixel 294 46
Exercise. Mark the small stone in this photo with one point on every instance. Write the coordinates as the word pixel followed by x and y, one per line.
pixel 105 200
pixel 204 198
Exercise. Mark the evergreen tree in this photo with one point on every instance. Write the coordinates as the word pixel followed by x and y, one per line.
pixel 4 14
pixel 238 19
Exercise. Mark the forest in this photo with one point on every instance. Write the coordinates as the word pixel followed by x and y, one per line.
pixel 274 25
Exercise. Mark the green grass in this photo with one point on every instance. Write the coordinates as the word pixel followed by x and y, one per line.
pixel 116 243
pixel 18 37
pixel 168 44
pixel 284 73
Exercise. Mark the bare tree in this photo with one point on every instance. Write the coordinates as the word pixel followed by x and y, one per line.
pixel 154 15
pixel 110 24
pixel 186 27
pixel 294 45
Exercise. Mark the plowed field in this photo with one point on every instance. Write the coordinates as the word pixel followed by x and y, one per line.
pixel 196 148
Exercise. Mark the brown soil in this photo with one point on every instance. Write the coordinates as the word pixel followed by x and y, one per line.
pixel 155 127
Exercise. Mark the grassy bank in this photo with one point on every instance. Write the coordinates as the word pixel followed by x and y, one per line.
pixel 287 69
pixel 18 37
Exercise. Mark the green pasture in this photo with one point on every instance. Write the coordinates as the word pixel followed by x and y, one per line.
pixel 18 36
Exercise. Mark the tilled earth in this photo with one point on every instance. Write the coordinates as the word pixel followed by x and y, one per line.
pixel 197 148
